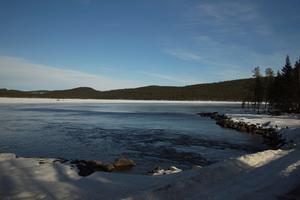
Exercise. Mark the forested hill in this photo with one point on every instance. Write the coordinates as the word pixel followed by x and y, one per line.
pixel 235 90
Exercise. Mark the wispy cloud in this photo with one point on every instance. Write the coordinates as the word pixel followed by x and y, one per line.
pixel 182 54
pixel 225 11
pixel 18 73
pixel 237 17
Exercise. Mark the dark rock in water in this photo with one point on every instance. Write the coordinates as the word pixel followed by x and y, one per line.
pixel 87 167
pixel 155 170
pixel 159 171
pixel 243 129
pixel 75 162
pixel 124 163
pixel 95 164
pixel 108 167
pixel 84 170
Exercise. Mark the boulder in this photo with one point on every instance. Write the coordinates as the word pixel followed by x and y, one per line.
pixel 243 128
pixel 123 163
pixel 84 170
pixel 95 164
pixel 108 167
pixel 159 171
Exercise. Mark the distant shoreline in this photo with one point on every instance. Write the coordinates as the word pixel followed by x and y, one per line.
pixel 11 100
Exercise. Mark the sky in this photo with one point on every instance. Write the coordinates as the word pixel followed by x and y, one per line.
pixel 110 44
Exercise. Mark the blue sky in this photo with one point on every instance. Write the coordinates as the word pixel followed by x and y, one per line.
pixel 61 44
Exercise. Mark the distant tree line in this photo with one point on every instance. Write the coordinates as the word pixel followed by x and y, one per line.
pixel 233 90
pixel 279 93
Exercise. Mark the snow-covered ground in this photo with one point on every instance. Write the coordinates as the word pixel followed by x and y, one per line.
pixel 45 100
pixel 288 124
pixel 282 121
pixel 263 175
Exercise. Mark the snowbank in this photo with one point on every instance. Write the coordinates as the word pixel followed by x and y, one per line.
pixel 263 175
pixel 34 178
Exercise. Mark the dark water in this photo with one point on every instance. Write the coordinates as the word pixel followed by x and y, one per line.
pixel 150 133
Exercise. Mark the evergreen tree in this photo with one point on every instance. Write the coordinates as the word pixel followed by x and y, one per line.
pixel 258 88
pixel 276 99
pixel 297 85
pixel 269 82
pixel 287 86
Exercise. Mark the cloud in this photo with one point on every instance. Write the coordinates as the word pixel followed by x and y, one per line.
pixel 183 55
pixel 18 73
pixel 232 11
pixel 236 17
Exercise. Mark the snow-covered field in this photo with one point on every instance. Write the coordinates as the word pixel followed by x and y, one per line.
pixel 263 175
pixel 44 100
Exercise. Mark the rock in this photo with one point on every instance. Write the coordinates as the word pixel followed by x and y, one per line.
pixel 84 170
pixel 259 131
pixel 269 134
pixel 156 171
pixel 95 164
pixel 87 167
pixel 124 163
pixel 108 167
pixel 159 171
pixel 243 129
pixel 76 162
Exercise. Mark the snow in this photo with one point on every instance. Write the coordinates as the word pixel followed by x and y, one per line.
pixel 170 170
pixel 27 178
pixel 5 100
pixel 288 124
pixel 281 121
pixel 263 175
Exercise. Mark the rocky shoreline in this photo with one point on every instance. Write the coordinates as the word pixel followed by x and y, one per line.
pixel 87 167
pixel 270 135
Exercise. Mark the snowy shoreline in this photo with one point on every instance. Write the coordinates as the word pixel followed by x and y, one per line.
pixel 5 100
pixel 264 175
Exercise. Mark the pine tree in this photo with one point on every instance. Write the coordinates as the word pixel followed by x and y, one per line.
pixel 275 92
pixel 297 86
pixel 269 82
pixel 258 88
pixel 287 86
